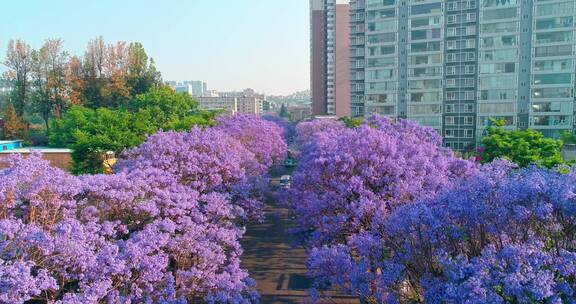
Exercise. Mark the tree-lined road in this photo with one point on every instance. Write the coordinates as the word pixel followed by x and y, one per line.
pixel 278 268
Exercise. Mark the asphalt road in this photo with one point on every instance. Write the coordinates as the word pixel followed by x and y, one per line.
pixel 278 268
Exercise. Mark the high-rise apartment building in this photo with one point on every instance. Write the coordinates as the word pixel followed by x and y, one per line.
pixel 330 57
pixel 454 64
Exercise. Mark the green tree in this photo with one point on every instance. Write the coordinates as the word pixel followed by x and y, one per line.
pixel 284 112
pixel 89 132
pixel 14 127
pixel 568 137
pixel 19 63
pixel 523 147
pixel 141 74
pixel 49 80
pixel 163 107
pixel 352 122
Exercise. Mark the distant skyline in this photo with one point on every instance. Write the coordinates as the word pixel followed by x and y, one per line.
pixel 229 44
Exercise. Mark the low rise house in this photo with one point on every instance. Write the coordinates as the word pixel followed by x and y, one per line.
pixel 58 157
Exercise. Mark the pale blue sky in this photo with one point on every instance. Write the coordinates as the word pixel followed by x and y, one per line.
pixel 231 44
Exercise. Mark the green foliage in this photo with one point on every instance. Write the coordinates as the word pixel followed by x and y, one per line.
pixel 568 137
pixel 523 147
pixel 92 132
pixel 163 107
pixel 352 122
pixel 284 112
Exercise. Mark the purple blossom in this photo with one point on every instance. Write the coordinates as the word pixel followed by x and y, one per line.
pixel 165 228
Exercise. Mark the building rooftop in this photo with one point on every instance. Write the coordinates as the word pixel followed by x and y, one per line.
pixel 38 149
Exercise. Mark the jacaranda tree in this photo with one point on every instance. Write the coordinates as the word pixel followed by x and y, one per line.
pixel 165 228
pixel 306 130
pixel 350 179
pixel 286 125
pixel 501 236
pixel 261 137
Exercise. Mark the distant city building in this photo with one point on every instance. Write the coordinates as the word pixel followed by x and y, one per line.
pixel 229 105
pixel 211 93
pixel 249 102
pixel 193 88
pixel 299 113
pixel 454 64
pixel 330 57
pixel 183 88
pixel 249 105
pixel 198 88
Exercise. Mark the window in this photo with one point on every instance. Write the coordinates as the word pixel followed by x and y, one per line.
pixel 425 47
pixel 552 23
pixel 563 8
pixel 469 82
pixel 493 68
pixel 425 59
pixel 425 109
pixel 426 8
pixel 496 108
pixel 383 50
pixel 381 38
pixel 500 27
pixel 499 3
pixel 374 87
pixel 551 120
pixel 382 26
pixel 425 34
pixel 387 13
pixel 425 97
pixel 499 41
pixel 552 79
pixel 450 70
pixel 500 55
pixel 425 84
pixel 381 62
pixel 428 72
pixel 540 93
pixel 564 107
pixel 553 65
pixel 379 3
pixel 549 51
pixel 498 94
pixel 425 21
pixel 554 37
pixel 491 82
pixel 380 74
pixel 506 13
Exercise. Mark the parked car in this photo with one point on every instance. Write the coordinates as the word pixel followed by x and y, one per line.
pixel 285 181
pixel 289 162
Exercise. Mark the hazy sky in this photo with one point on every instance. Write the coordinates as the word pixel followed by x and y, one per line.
pixel 230 44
